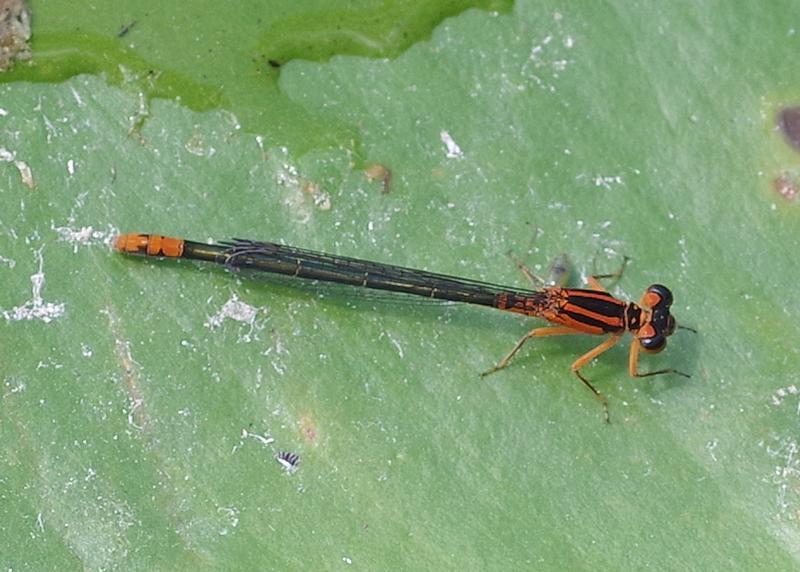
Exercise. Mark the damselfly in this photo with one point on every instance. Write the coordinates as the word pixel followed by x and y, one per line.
pixel 573 310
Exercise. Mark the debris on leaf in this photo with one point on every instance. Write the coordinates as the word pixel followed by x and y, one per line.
pixel 289 461
pixel 15 31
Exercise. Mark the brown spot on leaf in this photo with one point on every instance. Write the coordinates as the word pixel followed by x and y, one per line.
pixel 321 199
pixel 787 186
pixel 380 173
pixel 789 123
pixel 308 428
pixel 15 31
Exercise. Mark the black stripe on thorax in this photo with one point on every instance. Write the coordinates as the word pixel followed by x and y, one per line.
pixel 596 309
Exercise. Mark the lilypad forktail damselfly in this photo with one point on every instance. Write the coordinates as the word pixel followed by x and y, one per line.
pixel 573 310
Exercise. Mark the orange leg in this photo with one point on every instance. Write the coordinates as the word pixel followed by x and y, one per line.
pixel 536 333
pixel 558 274
pixel 532 278
pixel 610 342
pixel 579 363
pixel 595 285
pixel 633 364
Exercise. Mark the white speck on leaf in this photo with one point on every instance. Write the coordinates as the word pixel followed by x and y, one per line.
pixel 233 518
pixel 452 150
pixel 607 181
pixel 711 445
pixel 132 414
pixel 25 174
pixel 196 145
pixel 782 393
pixel 24 169
pixel 85 235
pixel 77 97
pixel 786 472
pixel 36 308
pixel 17 387
pixel 265 440
pixel 235 309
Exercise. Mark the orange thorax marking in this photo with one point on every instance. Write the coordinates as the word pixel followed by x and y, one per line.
pixel 589 311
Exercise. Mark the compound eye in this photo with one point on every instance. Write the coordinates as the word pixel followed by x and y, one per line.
pixel 654 344
pixel 662 292
pixel 670 325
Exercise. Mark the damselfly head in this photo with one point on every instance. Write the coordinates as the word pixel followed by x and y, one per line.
pixel 653 335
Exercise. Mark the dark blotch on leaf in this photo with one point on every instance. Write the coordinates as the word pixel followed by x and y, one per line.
pixel 789 122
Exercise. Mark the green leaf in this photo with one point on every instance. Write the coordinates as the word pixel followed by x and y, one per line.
pixel 143 400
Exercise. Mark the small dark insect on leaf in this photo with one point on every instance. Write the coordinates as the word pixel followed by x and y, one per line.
pixel 126 28
pixel 274 63
pixel 289 461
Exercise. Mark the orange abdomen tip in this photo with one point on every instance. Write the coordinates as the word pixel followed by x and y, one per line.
pixel 149 245
pixel 132 243
pixel 119 242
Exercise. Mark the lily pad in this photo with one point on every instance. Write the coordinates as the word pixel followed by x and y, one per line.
pixel 144 402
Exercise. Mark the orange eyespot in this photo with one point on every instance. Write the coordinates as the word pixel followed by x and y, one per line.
pixel 651 299
pixel 658 294
pixel 646 331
